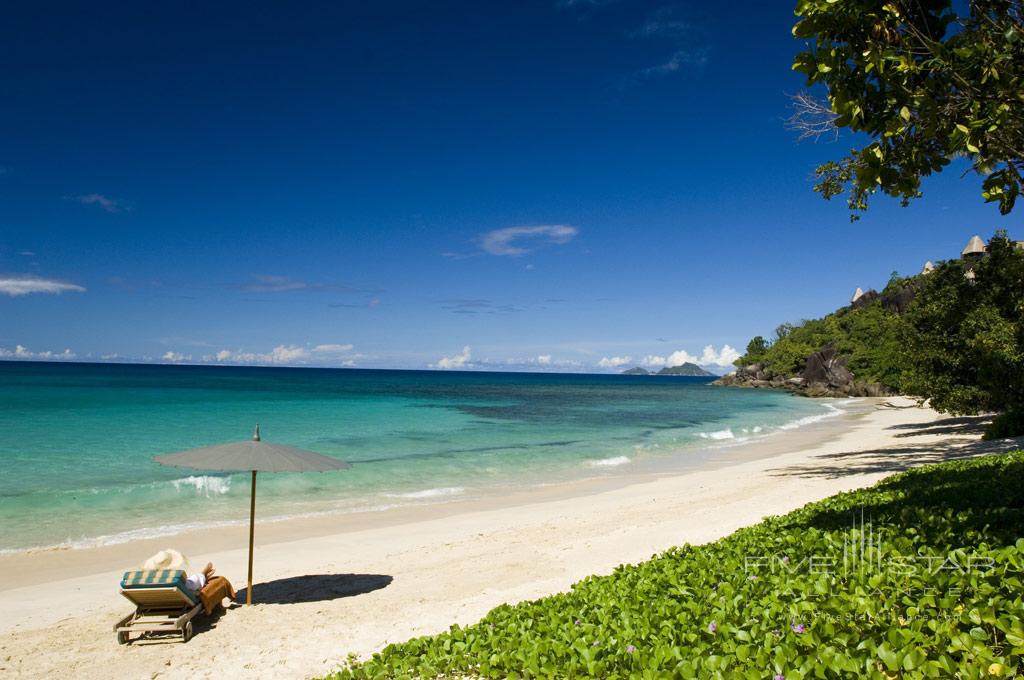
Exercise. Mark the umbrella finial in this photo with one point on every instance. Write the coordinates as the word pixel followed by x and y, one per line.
pixel 256 434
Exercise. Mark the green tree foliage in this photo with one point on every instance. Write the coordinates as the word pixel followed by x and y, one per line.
pixel 777 600
pixel 869 337
pixel 965 337
pixel 757 346
pixel 926 84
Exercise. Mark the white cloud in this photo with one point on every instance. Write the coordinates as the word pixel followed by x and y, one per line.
pixel 19 284
pixel 332 349
pixel 614 362
pixel 175 357
pixel 111 205
pixel 725 357
pixel 709 357
pixel 287 354
pixel 22 352
pixel 282 354
pixel 462 360
pixel 544 359
pixel 503 241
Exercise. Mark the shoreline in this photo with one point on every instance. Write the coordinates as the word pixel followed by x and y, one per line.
pixel 34 566
pixel 117 522
pixel 355 586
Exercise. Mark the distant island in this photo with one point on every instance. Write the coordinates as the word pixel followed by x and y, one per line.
pixel 689 369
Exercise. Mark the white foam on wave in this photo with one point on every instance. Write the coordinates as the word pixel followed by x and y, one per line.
pixel 207 485
pixel 718 435
pixel 830 412
pixel 609 462
pixel 430 493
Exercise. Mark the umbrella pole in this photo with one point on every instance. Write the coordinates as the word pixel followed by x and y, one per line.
pixel 252 529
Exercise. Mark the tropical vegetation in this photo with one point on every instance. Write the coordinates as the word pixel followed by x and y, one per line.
pixel 917 577
pixel 868 335
pixel 965 338
pixel 926 81
pixel 954 336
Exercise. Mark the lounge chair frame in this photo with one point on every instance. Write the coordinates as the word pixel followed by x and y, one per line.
pixel 161 610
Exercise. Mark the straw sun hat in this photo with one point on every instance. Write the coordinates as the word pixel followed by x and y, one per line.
pixel 166 559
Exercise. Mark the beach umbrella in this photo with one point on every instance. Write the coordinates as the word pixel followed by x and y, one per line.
pixel 255 456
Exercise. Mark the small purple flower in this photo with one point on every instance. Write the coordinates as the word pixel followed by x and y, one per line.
pixel 785 559
pixel 799 628
pixel 578 622
pixel 752 578
pixel 630 649
pixel 491 626
pixel 712 627
pixel 776 632
pixel 779 676
pixel 596 643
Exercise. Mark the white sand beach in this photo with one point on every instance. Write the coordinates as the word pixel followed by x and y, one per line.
pixel 331 586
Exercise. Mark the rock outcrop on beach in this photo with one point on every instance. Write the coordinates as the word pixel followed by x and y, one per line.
pixel 825 375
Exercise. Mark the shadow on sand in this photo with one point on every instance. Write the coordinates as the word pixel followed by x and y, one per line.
pixel 314 588
pixel 961 442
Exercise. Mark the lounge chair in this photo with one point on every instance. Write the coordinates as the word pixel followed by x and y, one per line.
pixel 163 604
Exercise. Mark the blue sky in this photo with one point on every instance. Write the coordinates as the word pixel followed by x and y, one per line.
pixel 535 185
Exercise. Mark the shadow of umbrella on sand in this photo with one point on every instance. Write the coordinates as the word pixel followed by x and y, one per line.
pixel 255 456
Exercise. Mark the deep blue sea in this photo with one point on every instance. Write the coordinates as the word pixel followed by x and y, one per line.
pixel 77 440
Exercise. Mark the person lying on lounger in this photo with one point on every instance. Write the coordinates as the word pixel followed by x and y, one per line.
pixel 212 589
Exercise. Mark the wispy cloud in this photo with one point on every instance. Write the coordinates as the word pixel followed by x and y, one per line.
pixel 111 205
pixel 669 28
pixel 369 304
pixel 675 24
pixel 464 306
pixel 23 353
pixel 25 284
pixel 332 348
pixel 614 362
pixel 510 240
pixel 282 355
pixel 679 60
pixel 271 283
pixel 463 359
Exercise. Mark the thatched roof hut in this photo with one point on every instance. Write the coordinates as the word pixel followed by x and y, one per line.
pixel 975 248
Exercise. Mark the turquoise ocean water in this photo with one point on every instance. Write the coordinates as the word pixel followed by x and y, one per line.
pixel 77 440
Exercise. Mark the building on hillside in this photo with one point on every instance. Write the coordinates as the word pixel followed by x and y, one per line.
pixel 975 249
pixel 928 267
pixel 857 294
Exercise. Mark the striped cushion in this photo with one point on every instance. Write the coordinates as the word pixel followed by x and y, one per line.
pixel 162 578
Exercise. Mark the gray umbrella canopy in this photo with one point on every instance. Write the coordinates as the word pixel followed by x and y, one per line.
pixel 255 456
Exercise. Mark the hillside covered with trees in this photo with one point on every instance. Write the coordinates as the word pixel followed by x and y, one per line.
pixel 954 335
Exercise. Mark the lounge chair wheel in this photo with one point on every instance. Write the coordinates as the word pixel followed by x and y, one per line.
pixel 186 634
pixel 122 637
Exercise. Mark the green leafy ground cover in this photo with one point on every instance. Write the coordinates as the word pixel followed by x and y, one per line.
pixel 916 577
